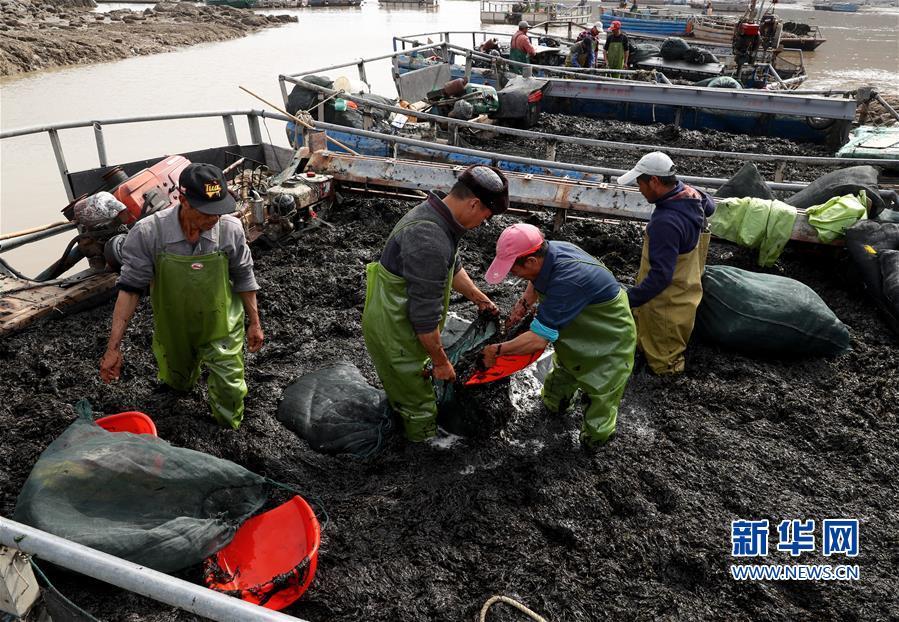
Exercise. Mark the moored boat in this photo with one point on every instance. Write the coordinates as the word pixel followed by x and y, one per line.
pixel 839 7
pixel 512 12
pixel 649 21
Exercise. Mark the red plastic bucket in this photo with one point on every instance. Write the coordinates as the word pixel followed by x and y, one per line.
pixel 272 559
pixel 506 365
pixel 132 421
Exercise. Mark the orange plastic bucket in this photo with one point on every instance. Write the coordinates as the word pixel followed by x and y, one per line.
pixel 272 559
pixel 506 365
pixel 132 421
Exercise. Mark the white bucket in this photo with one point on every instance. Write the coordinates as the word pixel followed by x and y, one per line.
pixel 350 85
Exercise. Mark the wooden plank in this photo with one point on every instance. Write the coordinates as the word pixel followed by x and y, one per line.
pixel 23 302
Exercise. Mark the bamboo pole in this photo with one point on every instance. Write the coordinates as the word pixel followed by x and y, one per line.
pixel 18 234
pixel 298 120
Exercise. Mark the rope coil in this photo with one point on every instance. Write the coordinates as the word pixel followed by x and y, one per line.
pixel 509 601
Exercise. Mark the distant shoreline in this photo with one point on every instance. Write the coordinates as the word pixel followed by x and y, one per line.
pixel 37 34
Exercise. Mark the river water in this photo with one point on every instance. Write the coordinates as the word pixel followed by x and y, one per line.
pixel 862 48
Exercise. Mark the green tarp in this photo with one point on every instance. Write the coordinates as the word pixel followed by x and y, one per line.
pixel 755 223
pixel 831 219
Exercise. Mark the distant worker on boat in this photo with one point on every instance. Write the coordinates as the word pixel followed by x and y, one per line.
pixel 196 262
pixel 488 46
pixel 615 51
pixel 521 48
pixel 408 291
pixel 593 33
pixel 580 54
pixel 583 311
pixel 669 280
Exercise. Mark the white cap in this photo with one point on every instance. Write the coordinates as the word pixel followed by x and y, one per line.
pixel 598 26
pixel 655 163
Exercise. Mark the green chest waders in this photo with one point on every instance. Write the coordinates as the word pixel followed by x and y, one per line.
pixel 199 321
pixel 394 348
pixel 594 353
pixel 520 56
pixel 615 55
pixel 665 323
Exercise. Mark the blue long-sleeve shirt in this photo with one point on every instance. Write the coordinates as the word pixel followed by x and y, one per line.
pixel 580 48
pixel 569 280
pixel 673 230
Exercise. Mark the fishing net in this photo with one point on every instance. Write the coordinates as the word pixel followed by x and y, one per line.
pixel 475 410
pixel 747 182
pixel 673 48
pixel 642 52
pixel 699 56
pixel 872 245
pixel 336 411
pixel 137 497
pixel 764 314
pixel 839 183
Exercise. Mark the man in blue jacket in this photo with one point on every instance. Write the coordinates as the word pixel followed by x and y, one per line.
pixel 582 311
pixel 675 245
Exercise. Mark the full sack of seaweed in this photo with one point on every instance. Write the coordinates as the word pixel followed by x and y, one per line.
pixel 137 497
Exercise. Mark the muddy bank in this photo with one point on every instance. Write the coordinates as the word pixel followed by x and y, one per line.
pixel 41 34
pixel 638 530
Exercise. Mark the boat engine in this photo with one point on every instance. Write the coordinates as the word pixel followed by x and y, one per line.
pixel 103 218
pixel 746 43
pixel 294 204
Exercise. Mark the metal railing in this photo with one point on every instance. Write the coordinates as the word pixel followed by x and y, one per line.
pixel 366 106
pixel 53 130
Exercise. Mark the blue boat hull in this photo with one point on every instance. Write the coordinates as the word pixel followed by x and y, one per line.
pixel 649 26
pixel 381 148
pixel 793 128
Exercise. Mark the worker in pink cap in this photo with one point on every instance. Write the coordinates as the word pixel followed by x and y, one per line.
pixel 583 311
pixel 616 50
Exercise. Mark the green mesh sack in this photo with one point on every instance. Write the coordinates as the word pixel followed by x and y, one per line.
pixel 765 314
pixel 472 411
pixel 137 497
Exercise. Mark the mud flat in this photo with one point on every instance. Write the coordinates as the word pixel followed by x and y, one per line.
pixel 40 34
pixel 638 530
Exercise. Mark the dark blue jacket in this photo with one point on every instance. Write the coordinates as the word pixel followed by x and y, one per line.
pixel 570 279
pixel 673 230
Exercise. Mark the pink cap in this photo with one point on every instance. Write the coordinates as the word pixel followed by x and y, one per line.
pixel 513 242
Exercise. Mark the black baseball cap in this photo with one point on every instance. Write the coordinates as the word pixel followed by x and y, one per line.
pixel 206 190
pixel 489 185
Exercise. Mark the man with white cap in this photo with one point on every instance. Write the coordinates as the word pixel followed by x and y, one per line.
pixel 408 290
pixel 521 48
pixel 675 245
pixel 582 311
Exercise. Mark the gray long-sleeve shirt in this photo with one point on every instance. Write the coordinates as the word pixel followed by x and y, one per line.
pixel 145 240
pixel 422 254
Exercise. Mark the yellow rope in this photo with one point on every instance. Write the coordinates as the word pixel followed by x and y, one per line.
pixel 505 599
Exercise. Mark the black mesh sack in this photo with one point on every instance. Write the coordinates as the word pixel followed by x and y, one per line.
pixel 336 411
pixel 137 497
pixel 765 314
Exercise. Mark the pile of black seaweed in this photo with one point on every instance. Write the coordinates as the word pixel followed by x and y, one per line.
pixel 640 529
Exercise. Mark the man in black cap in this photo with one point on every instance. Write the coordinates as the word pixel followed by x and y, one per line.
pixel 408 292
pixel 196 262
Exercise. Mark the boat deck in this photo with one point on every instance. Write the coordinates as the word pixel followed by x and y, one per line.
pixel 22 302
